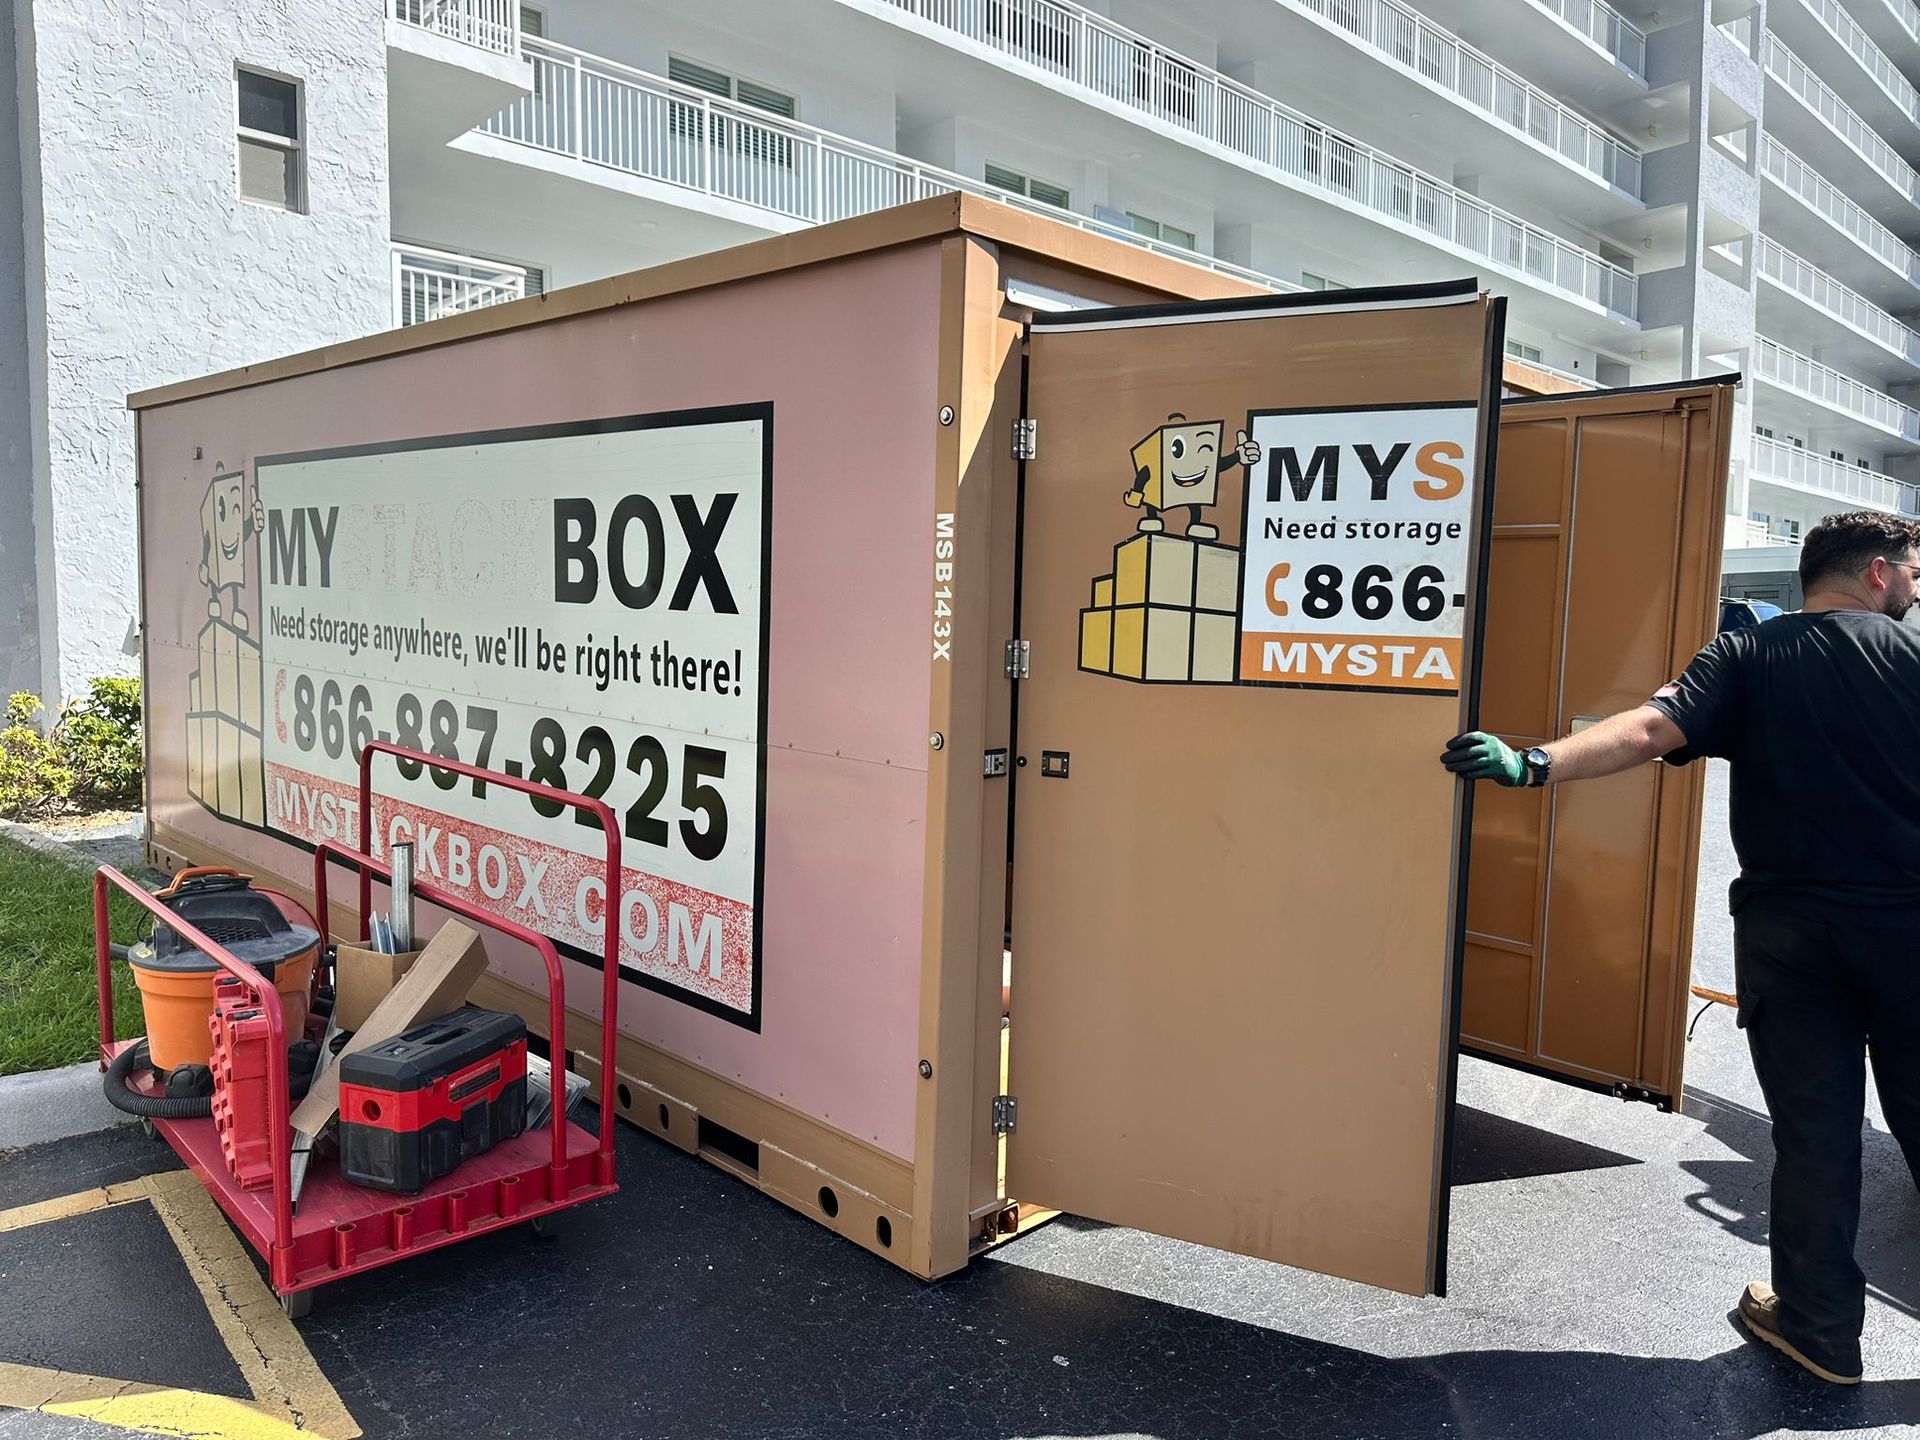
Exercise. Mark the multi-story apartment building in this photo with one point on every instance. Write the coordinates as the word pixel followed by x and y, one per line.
pixel 1711 186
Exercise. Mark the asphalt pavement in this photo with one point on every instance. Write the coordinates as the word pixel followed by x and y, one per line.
pixel 1597 1250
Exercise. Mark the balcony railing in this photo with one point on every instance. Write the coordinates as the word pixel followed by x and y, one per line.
pixel 1119 65
pixel 1483 83
pixel 1907 13
pixel 1756 535
pixel 432 284
pixel 489 24
pixel 1793 371
pixel 1606 27
pixel 1817 96
pixel 609 114
pixel 1795 465
pixel 1793 174
pixel 1875 61
pixel 1819 289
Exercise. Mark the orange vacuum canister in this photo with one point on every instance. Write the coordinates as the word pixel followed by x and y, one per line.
pixel 176 980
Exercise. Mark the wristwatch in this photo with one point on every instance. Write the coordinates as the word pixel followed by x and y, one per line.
pixel 1539 765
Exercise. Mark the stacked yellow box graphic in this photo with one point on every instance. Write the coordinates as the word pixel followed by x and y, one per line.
pixel 225 770
pixel 1166 613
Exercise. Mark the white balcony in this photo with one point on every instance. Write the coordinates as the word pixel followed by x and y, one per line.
pixel 615 118
pixel 1893 24
pixel 1743 534
pixel 1891 101
pixel 1837 119
pixel 1896 275
pixel 1119 70
pixel 432 284
pixel 1605 27
pixel 1787 271
pixel 485 24
pixel 450 64
pixel 1474 79
pixel 1801 469
pixel 1827 399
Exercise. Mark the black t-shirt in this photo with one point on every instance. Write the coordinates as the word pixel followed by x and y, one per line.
pixel 1820 715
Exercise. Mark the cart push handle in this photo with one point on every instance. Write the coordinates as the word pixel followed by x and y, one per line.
pixel 279 1106
pixel 556 1006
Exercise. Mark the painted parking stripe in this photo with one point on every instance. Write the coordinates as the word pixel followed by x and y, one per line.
pixel 290 1394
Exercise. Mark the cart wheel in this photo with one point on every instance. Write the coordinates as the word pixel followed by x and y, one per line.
pixel 547 1226
pixel 298 1305
pixel 146 1126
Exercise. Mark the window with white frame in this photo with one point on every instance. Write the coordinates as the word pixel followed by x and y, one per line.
pixel 753 141
pixel 1041 190
pixel 1160 230
pixel 272 150
pixel 1311 281
pixel 1530 354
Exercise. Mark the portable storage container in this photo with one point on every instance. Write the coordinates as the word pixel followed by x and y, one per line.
pixel 940 637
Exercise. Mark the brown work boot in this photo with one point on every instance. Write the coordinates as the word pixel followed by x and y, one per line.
pixel 1760 1310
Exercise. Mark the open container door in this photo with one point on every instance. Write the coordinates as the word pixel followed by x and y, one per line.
pixel 1606 567
pixel 1251 570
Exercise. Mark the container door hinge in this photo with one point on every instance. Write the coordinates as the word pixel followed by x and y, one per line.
pixel 1026 439
pixel 1005 1114
pixel 1019 659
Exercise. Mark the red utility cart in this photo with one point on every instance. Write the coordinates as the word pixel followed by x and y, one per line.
pixel 340 1229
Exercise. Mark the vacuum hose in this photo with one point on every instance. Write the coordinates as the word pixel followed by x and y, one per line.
pixel 165 1107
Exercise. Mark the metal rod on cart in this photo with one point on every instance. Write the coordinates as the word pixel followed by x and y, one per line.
pixel 402 897
pixel 280 1260
pixel 610 945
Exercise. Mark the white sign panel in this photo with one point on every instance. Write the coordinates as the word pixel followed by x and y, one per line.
pixel 1355 548
pixel 583 606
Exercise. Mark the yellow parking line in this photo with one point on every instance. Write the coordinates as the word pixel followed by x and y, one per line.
pixel 127 1405
pixel 66 1207
pixel 291 1396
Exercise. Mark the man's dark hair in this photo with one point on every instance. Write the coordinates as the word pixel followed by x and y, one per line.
pixel 1844 545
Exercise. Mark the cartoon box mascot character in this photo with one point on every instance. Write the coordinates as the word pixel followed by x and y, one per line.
pixel 225 762
pixel 227 523
pixel 1180 465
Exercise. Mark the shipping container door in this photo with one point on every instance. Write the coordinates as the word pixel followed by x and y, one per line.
pixel 1251 558
pixel 1606 564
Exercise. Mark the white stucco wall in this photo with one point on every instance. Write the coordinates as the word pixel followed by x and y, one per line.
pixel 19 621
pixel 151 268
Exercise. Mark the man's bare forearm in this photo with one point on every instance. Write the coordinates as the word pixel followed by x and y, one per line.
pixel 1619 742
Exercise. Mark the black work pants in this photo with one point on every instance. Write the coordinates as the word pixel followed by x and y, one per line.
pixel 1819 983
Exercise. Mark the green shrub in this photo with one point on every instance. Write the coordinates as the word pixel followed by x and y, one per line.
pixel 33 779
pixel 98 739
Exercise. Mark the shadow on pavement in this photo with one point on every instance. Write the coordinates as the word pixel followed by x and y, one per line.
pixel 1489 1147
pixel 1737 1195
pixel 693 1306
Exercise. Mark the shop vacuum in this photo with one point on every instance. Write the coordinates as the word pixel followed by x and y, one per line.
pixel 270 931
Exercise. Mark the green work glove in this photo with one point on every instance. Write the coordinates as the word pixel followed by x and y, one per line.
pixel 1480 756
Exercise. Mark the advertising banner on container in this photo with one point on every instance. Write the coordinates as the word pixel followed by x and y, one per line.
pixel 583 605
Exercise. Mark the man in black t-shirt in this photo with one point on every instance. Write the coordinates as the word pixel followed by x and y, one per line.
pixel 1819 713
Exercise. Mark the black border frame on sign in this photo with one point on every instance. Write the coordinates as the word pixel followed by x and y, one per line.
pixel 1480 474
pixel 761 411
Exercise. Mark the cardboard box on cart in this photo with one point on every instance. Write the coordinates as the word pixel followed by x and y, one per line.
pixel 759 597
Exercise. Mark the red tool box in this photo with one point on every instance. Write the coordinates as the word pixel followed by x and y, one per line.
pixel 241 1035
pixel 415 1106
pixel 343 1228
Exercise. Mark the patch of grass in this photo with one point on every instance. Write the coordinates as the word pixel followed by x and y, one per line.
pixel 49 1006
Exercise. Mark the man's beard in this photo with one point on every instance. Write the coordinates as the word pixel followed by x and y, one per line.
pixel 1897 609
